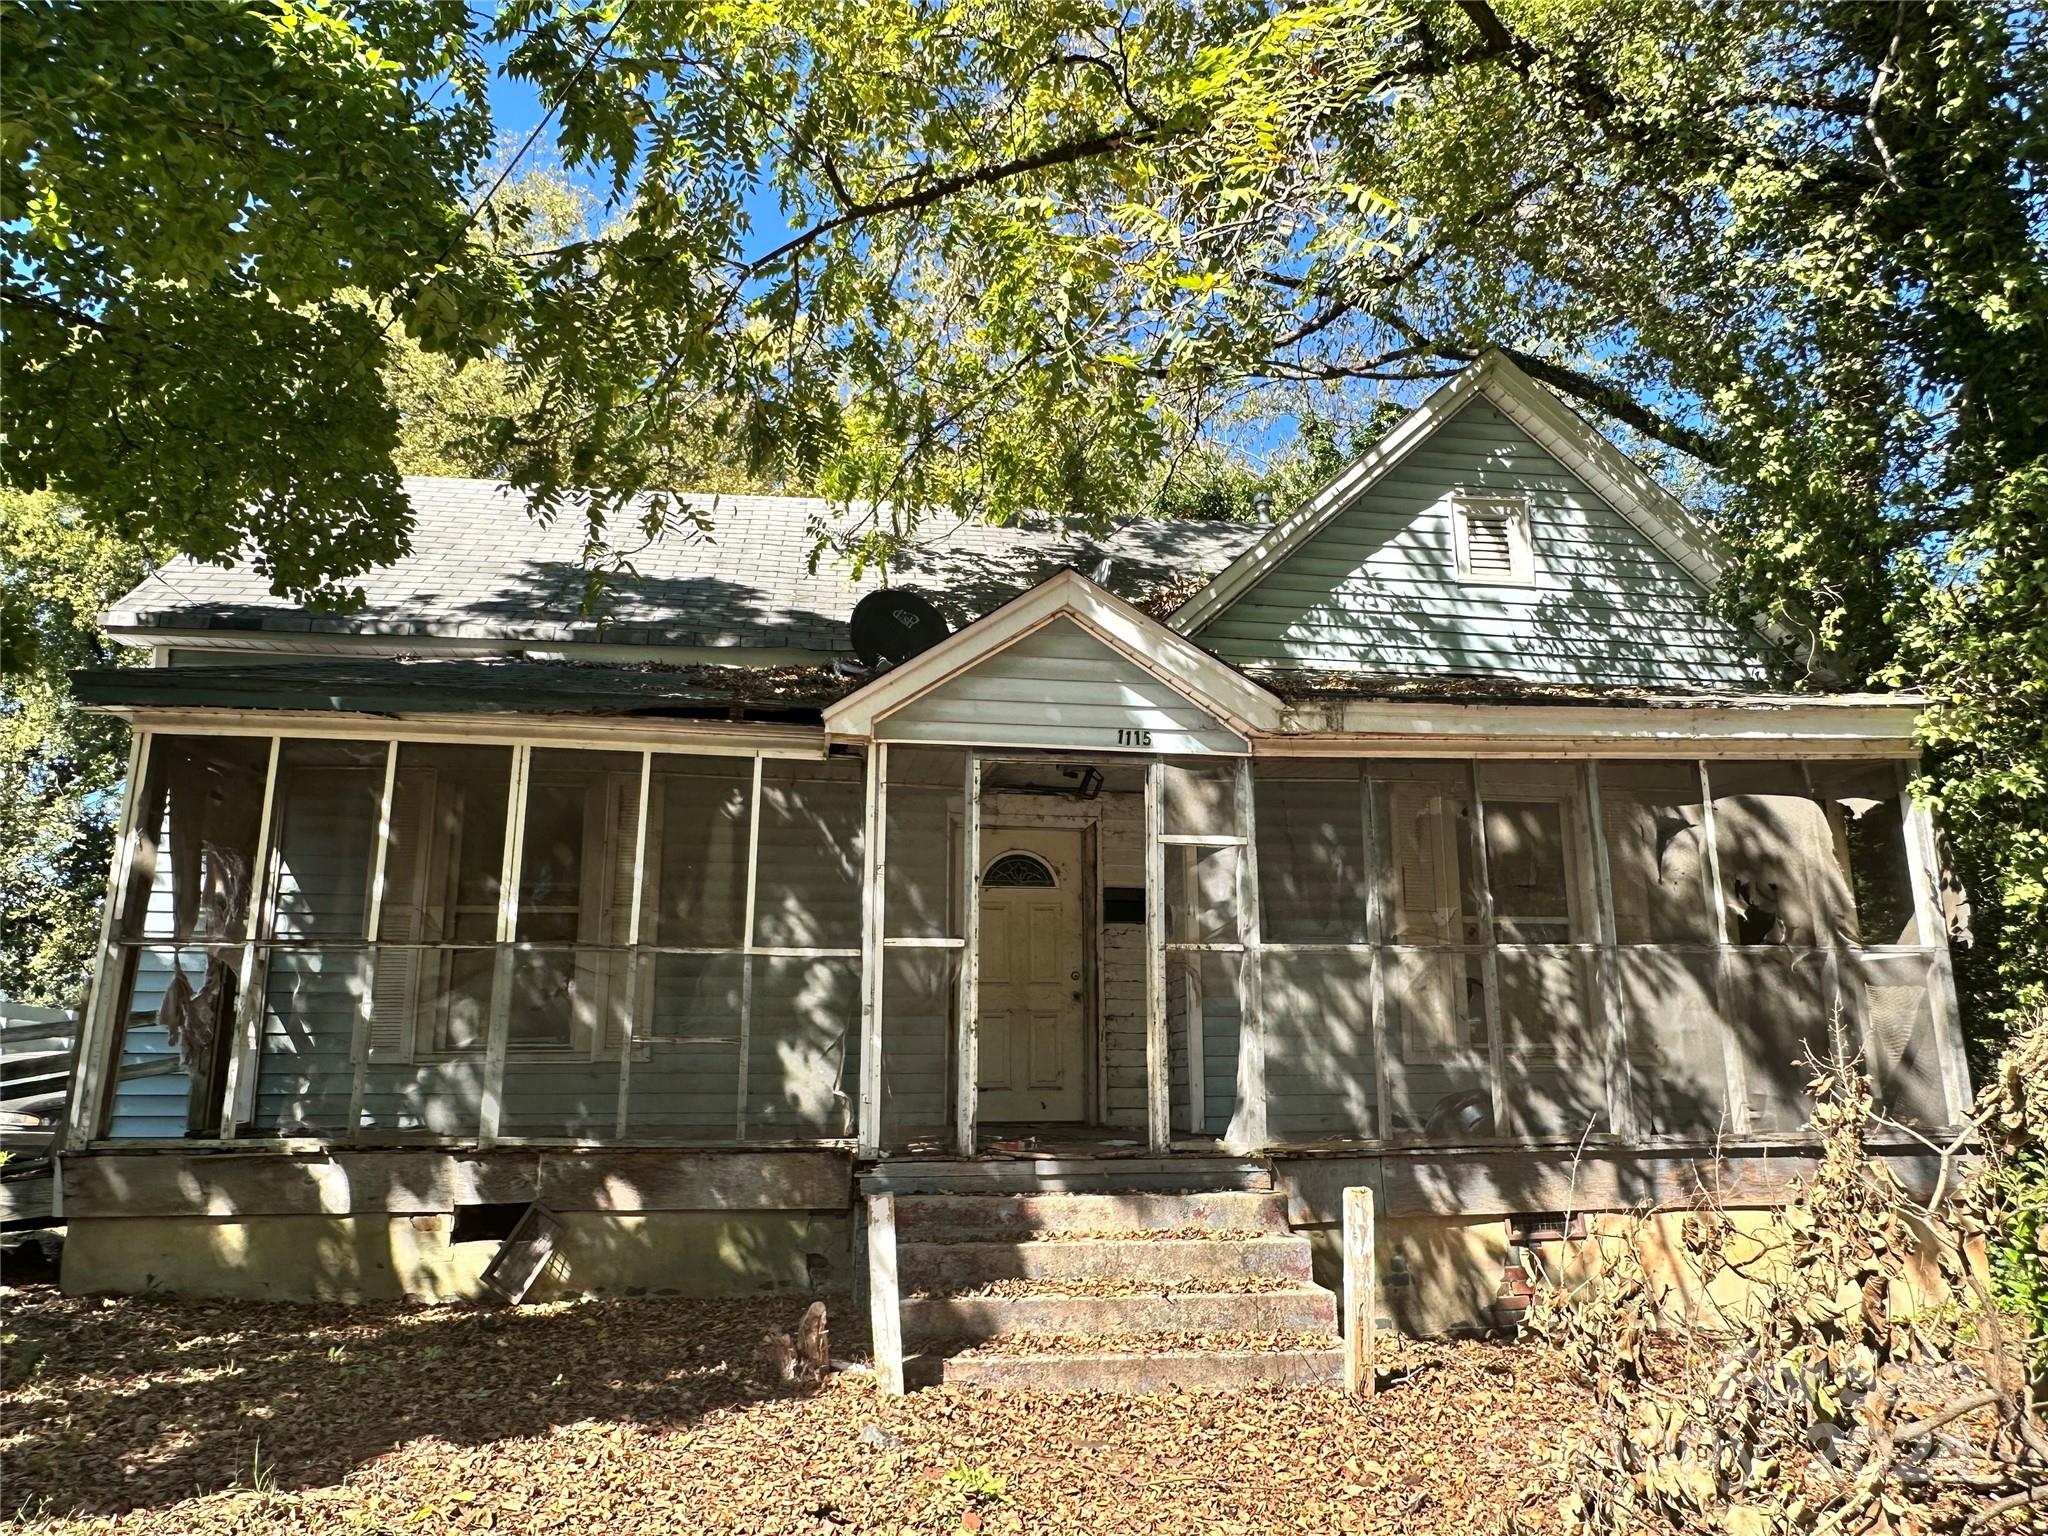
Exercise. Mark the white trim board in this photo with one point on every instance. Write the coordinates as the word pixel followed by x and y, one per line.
pixel 1174 660
pixel 1845 726
pixel 1619 482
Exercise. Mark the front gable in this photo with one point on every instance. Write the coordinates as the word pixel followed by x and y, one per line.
pixel 1065 667
pixel 1605 581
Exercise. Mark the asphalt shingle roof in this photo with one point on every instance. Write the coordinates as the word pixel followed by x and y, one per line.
pixel 482 569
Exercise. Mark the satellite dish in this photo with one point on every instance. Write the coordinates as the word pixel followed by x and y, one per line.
pixel 894 624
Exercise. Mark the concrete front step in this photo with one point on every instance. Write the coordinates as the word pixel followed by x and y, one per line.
pixel 948 1267
pixel 928 1217
pixel 1213 1370
pixel 1070 1175
pixel 930 1319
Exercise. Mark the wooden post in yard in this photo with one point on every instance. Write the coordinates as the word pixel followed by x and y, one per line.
pixel 885 1309
pixel 1361 1293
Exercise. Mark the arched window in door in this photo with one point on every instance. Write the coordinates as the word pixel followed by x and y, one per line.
pixel 1014 869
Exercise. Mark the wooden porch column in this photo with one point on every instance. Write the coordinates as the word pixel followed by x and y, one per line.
pixel 1923 865
pixel 869 1110
pixel 885 1305
pixel 1158 1070
pixel 1248 1134
pixel 967 1012
pixel 100 1030
pixel 1361 1292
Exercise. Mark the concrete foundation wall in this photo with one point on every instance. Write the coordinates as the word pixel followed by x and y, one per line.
pixel 1462 1274
pixel 378 1257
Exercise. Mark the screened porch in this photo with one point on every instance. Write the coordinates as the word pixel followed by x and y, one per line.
pixel 394 939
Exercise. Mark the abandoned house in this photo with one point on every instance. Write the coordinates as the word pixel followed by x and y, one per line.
pixel 1439 838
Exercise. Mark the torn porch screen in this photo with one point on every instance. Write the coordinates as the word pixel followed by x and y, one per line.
pixel 1888 1004
pixel 924 932
pixel 185 917
pixel 1782 877
pixel 1653 820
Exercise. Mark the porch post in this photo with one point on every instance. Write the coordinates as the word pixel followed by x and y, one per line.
pixel 373 924
pixel 1158 1071
pixel 1249 1132
pixel 967 1013
pixel 1731 1049
pixel 869 1110
pixel 497 1036
pixel 1923 866
pixel 238 1105
pixel 100 1032
pixel 1621 1116
pixel 1489 959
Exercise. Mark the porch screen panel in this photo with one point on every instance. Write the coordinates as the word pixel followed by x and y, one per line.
pixel 1203 933
pixel 1540 883
pixel 1653 822
pixel 1824 929
pixel 1436 1049
pixel 699 816
pixel 807 867
pixel 572 977
pixel 434 980
pixel 313 996
pixel 923 808
pixel 1677 1062
pixel 920 996
pixel 317 972
pixel 1316 972
pixel 803 1048
pixel 800 1038
pixel 1320 1080
pixel 1311 832
pixel 1779 1003
pixel 1888 1002
pixel 684 1078
pixel 181 952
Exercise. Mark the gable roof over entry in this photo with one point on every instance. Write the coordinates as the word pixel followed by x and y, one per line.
pixel 1365 577
pixel 1066 666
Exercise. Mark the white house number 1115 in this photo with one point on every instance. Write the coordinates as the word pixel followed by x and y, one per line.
pixel 1126 737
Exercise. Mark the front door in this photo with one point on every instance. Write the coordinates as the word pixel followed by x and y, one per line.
pixel 1033 1023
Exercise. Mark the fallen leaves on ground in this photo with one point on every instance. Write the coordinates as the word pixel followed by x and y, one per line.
pixel 200 1418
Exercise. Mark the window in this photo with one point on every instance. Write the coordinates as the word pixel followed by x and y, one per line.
pixel 1490 535
pixel 1018 869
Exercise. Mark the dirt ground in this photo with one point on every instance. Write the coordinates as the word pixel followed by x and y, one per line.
pixel 194 1418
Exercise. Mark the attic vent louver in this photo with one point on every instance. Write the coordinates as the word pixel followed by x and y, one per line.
pixel 1492 538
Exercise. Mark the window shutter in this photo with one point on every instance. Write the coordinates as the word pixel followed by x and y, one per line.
pixel 395 985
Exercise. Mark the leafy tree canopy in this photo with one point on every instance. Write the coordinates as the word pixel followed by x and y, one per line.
pixel 990 256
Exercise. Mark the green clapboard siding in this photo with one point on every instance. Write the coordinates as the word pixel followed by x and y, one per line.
pixel 1059 686
pixel 1376 589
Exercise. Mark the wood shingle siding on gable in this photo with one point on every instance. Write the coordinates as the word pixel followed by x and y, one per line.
pixel 1060 685
pixel 1377 589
